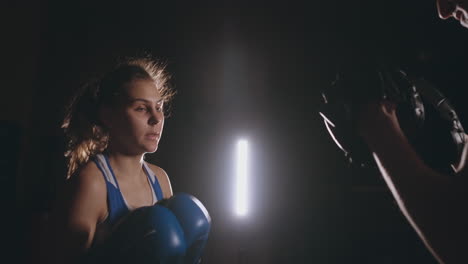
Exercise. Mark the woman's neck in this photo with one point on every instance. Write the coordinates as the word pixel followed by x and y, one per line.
pixel 125 166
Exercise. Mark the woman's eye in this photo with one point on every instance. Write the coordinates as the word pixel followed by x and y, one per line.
pixel 159 107
pixel 141 109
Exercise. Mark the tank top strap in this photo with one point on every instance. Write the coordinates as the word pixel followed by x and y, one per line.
pixel 116 203
pixel 154 181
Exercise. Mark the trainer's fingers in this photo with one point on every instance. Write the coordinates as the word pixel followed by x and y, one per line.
pixel 388 108
pixel 377 117
pixel 461 168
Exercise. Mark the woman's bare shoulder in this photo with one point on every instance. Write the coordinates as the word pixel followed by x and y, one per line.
pixel 81 205
pixel 89 176
pixel 85 186
pixel 86 191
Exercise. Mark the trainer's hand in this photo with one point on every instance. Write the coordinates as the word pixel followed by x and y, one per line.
pixel 460 168
pixel 376 118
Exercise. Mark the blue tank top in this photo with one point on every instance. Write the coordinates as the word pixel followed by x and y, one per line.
pixel 117 206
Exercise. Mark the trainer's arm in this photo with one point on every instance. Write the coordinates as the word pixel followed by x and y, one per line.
pixel 436 205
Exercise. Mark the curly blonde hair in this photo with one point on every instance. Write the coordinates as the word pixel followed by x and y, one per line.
pixel 86 136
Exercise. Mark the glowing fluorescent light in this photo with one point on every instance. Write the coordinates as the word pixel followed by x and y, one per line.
pixel 241 177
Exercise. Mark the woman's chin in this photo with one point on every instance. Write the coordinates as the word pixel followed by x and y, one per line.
pixel 151 149
pixel 149 146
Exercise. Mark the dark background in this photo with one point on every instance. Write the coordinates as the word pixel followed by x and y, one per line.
pixel 252 69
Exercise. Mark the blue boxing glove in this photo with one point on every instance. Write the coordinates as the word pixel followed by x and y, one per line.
pixel 195 222
pixel 150 234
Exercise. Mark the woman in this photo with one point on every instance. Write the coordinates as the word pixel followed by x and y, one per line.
pixel 111 124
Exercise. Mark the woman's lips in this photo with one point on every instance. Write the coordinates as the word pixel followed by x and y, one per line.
pixel 152 136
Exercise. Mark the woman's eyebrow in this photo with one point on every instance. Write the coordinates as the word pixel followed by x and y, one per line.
pixel 132 100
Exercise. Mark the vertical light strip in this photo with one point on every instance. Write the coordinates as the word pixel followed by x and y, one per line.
pixel 241 177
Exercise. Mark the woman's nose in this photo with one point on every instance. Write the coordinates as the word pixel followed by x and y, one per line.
pixel 155 118
pixel 445 8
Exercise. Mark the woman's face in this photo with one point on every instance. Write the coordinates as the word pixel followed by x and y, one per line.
pixel 136 122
